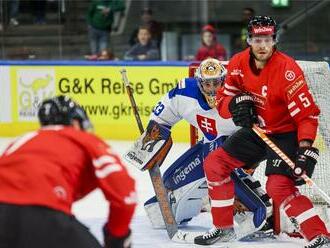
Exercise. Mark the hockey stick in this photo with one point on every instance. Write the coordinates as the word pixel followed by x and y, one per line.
pixel 154 172
pixel 289 162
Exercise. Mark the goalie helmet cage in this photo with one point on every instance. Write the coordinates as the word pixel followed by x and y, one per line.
pixel 317 75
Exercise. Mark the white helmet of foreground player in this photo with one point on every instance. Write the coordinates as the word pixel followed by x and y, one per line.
pixel 210 76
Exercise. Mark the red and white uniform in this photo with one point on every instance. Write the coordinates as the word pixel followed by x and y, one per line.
pixel 281 96
pixel 58 165
pixel 284 104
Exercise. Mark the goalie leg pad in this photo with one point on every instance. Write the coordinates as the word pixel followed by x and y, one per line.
pixel 186 202
pixel 186 169
pixel 186 183
pixel 250 193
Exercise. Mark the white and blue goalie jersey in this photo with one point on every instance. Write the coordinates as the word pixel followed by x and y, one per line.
pixel 185 179
pixel 187 102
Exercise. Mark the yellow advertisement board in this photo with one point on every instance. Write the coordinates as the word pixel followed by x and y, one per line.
pixel 99 89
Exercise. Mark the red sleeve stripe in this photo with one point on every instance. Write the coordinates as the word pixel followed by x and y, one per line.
pixel 294 112
pixel 228 93
pixel 105 159
pixel 229 87
pixel 313 117
pixel 293 108
pixel 292 104
pixel 19 142
pixel 107 170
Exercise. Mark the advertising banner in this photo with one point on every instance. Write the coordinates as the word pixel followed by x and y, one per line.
pixel 99 89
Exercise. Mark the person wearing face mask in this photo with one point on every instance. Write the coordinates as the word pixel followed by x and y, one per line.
pixel 210 48
pixel 266 87
pixel 193 100
pixel 42 174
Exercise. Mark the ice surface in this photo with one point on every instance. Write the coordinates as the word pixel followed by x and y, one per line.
pixel 93 210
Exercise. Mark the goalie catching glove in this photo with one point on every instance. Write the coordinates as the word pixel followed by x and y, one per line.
pixel 305 161
pixel 243 110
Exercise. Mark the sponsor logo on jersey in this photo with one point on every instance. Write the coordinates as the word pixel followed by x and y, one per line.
pixel 259 100
pixel 263 30
pixel 290 75
pixel 182 173
pixel 60 192
pixel 293 88
pixel 207 126
pixel 237 72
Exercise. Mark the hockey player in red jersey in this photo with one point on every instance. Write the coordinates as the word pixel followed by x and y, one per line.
pixel 266 87
pixel 43 172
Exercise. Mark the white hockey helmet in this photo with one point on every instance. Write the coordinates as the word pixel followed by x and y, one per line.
pixel 210 76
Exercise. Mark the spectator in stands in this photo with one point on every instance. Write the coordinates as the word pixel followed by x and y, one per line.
pixel 13 6
pixel 100 18
pixel 210 48
pixel 13 12
pixel 107 55
pixel 155 27
pixel 240 42
pixel 145 49
pixel 1 17
pixel 39 11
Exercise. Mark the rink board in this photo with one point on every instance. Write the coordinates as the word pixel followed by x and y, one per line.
pixel 97 86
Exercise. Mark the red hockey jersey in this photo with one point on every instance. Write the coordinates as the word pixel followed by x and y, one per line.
pixel 281 95
pixel 58 165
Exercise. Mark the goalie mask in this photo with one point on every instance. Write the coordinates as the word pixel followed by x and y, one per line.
pixel 210 76
pixel 61 110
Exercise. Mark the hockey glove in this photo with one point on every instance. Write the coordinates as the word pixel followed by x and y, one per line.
pixel 114 242
pixel 305 161
pixel 243 110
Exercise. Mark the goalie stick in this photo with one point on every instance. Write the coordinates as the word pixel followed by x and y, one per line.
pixel 174 234
pixel 154 172
pixel 289 162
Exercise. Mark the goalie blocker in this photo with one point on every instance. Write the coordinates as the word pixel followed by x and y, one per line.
pixel 187 190
pixel 151 148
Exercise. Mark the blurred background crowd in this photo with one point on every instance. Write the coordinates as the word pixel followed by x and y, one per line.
pixel 144 30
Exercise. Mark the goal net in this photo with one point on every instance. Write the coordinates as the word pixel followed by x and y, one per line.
pixel 318 77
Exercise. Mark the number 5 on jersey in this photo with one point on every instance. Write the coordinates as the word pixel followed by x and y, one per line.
pixel 293 106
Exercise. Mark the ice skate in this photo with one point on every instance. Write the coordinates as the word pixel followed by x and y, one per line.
pixel 215 235
pixel 320 241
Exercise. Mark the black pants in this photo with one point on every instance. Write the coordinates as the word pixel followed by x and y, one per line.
pixel 40 227
pixel 249 148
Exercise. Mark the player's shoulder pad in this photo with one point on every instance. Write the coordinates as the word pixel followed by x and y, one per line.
pixel 151 148
pixel 291 69
pixel 186 87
